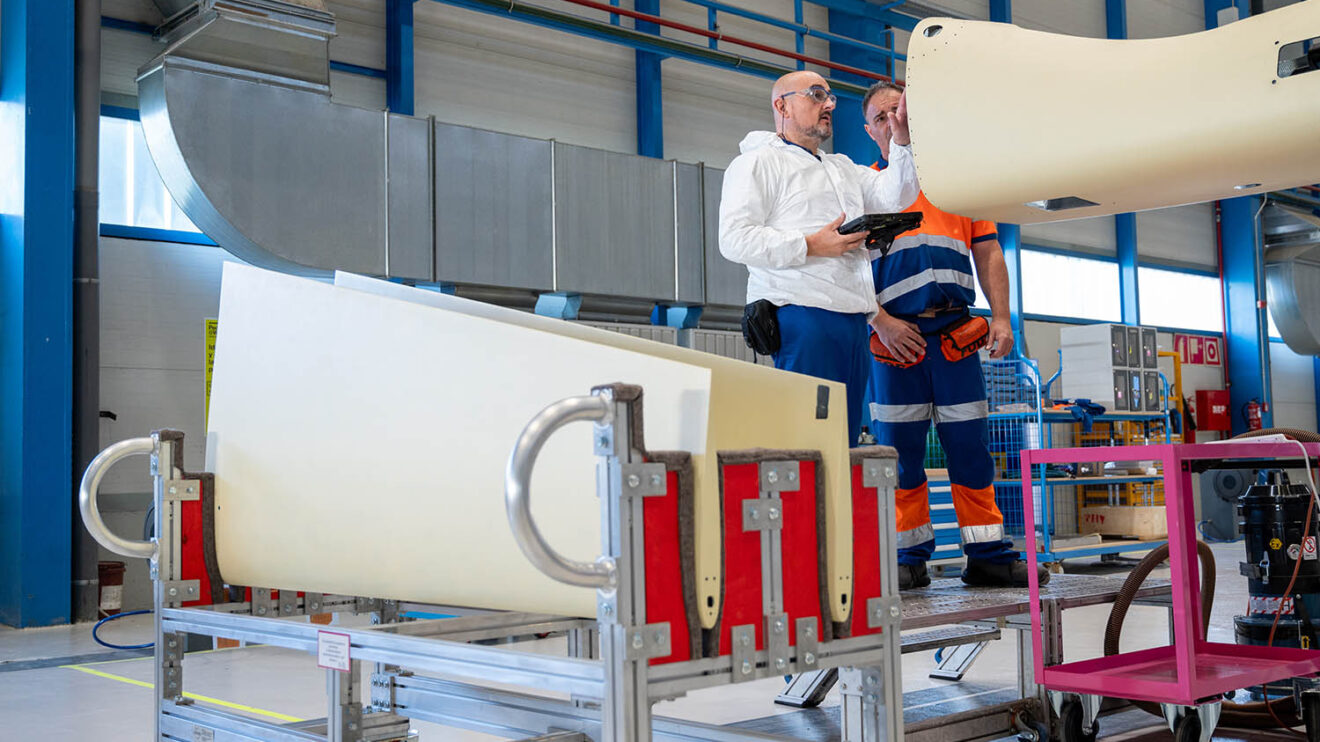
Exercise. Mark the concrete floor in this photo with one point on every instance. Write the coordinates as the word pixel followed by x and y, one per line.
pixel 57 684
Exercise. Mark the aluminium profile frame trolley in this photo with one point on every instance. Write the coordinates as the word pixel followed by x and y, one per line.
pixel 622 678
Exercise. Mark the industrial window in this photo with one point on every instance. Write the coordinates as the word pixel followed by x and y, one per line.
pixel 132 193
pixel 1069 286
pixel 1177 299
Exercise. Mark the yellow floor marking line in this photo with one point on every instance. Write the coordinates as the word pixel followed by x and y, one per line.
pixel 194 696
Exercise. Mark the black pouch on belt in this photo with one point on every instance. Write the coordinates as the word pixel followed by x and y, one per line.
pixel 760 327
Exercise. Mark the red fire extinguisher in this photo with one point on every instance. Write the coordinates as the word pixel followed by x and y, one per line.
pixel 1252 413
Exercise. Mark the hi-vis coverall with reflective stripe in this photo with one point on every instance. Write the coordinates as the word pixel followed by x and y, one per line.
pixel 952 394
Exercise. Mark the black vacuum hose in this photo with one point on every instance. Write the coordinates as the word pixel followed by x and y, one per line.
pixel 1248 715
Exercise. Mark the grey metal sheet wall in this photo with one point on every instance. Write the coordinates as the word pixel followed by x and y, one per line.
pixel 614 223
pixel 410 198
pixel 493 218
pixel 728 344
pixel 688 201
pixel 666 335
pixel 726 281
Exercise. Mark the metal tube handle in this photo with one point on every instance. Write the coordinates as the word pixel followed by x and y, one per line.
pixel 517 493
pixel 90 487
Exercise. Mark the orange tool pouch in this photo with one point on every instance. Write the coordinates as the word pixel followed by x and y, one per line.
pixel 964 337
pixel 882 354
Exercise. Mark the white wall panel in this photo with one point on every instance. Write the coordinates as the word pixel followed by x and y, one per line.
pixel 702 128
pixel 357 90
pixel 1072 17
pixel 1093 235
pixel 140 11
pixel 1293 378
pixel 480 70
pixel 1150 19
pixel 360 32
pixel 122 53
pixel 154 299
pixel 1182 234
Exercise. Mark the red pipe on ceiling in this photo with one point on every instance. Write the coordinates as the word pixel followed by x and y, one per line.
pixel 724 37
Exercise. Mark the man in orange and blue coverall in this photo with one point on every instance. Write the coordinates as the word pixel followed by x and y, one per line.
pixel 924 287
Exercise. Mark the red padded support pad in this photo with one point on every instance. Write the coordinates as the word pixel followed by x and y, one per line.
pixel 193 541
pixel 866 551
pixel 801 554
pixel 664 570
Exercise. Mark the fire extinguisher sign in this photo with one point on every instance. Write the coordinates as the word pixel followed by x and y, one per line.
pixel 1199 350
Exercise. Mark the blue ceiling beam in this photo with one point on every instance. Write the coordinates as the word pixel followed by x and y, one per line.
pixel 400 78
pixel 1125 225
pixel 36 311
pixel 649 88
pixel 866 10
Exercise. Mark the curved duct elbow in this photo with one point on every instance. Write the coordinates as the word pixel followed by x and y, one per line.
pixel 238 118
pixel 1292 276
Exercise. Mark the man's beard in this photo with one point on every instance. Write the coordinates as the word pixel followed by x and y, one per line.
pixel 821 131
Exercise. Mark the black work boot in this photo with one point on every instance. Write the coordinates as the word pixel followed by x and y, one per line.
pixel 912 575
pixel 980 573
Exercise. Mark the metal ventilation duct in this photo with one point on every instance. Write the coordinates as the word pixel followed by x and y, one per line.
pixel 1292 275
pixel 238 118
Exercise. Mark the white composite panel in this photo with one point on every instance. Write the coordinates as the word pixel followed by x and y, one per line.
pixel 751 407
pixel 1052 138
pixel 359 443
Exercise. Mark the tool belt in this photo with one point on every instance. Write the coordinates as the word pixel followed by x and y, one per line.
pixel 960 339
pixel 964 338
pixel 760 327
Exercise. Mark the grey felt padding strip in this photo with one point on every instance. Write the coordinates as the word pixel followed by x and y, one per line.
pixel 207 481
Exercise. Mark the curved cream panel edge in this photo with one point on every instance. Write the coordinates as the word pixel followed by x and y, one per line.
pixel 1002 116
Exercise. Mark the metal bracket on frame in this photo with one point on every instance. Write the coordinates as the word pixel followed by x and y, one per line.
pixel 182 490
pixel 808 643
pixel 178 591
pixel 642 480
pixel 883 612
pixel 651 640
pixel 262 605
pixel 776 633
pixel 365 605
pixel 313 603
pixel 879 473
pixel 780 476
pixel 762 514
pixel 288 605
pixel 743 639
pixel 382 691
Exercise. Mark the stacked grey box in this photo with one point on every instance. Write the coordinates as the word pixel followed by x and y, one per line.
pixel 1113 365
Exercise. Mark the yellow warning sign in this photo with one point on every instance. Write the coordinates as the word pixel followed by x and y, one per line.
pixel 212 325
pixel 1275 544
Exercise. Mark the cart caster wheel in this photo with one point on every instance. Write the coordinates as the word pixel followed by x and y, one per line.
pixel 1070 724
pixel 1037 732
pixel 1188 729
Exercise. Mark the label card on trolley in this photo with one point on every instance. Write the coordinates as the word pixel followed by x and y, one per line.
pixel 332 651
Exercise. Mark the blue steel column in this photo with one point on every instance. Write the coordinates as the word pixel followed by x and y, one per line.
pixel 849 136
pixel 400 81
pixel 1246 332
pixel 650 108
pixel 1010 235
pixel 36 310
pixel 1125 225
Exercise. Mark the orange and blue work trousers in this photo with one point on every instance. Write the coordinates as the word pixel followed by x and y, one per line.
pixel 903 403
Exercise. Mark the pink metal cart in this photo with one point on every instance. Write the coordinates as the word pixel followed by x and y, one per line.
pixel 1189 677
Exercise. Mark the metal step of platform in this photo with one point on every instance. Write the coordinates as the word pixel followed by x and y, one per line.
pixel 808 689
pixel 947 637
